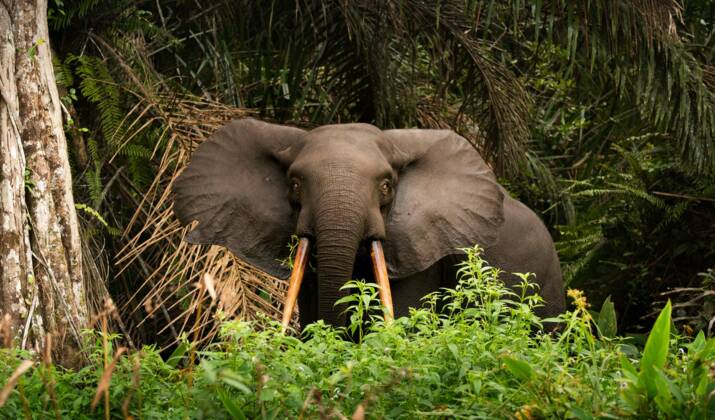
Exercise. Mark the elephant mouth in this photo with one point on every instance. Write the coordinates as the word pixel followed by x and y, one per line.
pixel 362 269
pixel 369 254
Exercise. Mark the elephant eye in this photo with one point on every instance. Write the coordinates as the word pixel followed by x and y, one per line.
pixel 385 187
pixel 294 192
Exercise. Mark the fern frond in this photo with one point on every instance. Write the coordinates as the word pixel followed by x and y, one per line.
pixel 94 185
pixel 61 15
pixel 94 151
pixel 63 72
pixel 135 151
pixel 111 230
pixel 100 88
pixel 573 269
pixel 673 214
pixel 639 193
pixel 92 212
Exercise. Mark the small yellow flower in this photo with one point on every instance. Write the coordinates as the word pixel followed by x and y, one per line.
pixel 578 299
pixel 525 412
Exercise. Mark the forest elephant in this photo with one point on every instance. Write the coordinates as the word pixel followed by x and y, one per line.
pixel 418 194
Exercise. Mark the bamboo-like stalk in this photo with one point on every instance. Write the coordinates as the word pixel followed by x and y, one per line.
pixel 296 278
pixel 380 269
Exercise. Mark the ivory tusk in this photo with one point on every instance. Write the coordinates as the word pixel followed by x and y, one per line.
pixel 380 270
pixel 296 278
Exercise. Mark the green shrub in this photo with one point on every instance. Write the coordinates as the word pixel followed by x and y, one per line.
pixel 483 355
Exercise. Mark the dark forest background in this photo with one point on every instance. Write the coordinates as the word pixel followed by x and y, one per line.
pixel 599 115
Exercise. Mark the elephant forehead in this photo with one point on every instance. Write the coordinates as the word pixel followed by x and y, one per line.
pixel 356 134
pixel 326 161
pixel 351 128
pixel 344 146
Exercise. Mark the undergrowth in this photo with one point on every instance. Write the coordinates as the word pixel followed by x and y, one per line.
pixel 482 355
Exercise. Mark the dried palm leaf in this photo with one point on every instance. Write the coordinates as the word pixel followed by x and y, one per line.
pixel 174 268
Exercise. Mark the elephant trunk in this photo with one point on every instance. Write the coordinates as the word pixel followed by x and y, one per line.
pixel 339 227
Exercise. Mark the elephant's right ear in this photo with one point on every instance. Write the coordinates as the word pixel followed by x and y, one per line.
pixel 236 188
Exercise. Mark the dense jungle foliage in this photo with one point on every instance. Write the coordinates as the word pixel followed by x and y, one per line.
pixel 486 361
pixel 599 115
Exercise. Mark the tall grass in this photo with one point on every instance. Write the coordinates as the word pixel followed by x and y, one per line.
pixel 482 354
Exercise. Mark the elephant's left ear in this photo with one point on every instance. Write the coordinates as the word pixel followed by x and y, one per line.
pixel 446 198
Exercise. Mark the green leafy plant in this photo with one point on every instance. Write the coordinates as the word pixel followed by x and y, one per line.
pixel 657 389
pixel 485 355
pixel 361 306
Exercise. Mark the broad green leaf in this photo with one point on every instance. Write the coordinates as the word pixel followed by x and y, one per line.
pixel 697 344
pixel 579 413
pixel 655 352
pixel 178 354
pixel 627 367
pixel 672 389
pixel 453 349
pixel 607 319
pixel 346 299
pixel 268 395
pixel 234 380
pixel 702 386
pixel 629 350
pixel 656 347
pixel 233 409
pixel 519 368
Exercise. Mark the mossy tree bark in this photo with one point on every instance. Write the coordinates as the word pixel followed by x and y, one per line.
pixel 41 285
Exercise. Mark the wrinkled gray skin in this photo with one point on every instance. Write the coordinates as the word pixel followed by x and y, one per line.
pixel 424 193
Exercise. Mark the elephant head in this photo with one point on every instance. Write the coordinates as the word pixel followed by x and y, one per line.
pixel 423 193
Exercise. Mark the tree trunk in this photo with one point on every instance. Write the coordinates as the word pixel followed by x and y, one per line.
pixel 41 287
